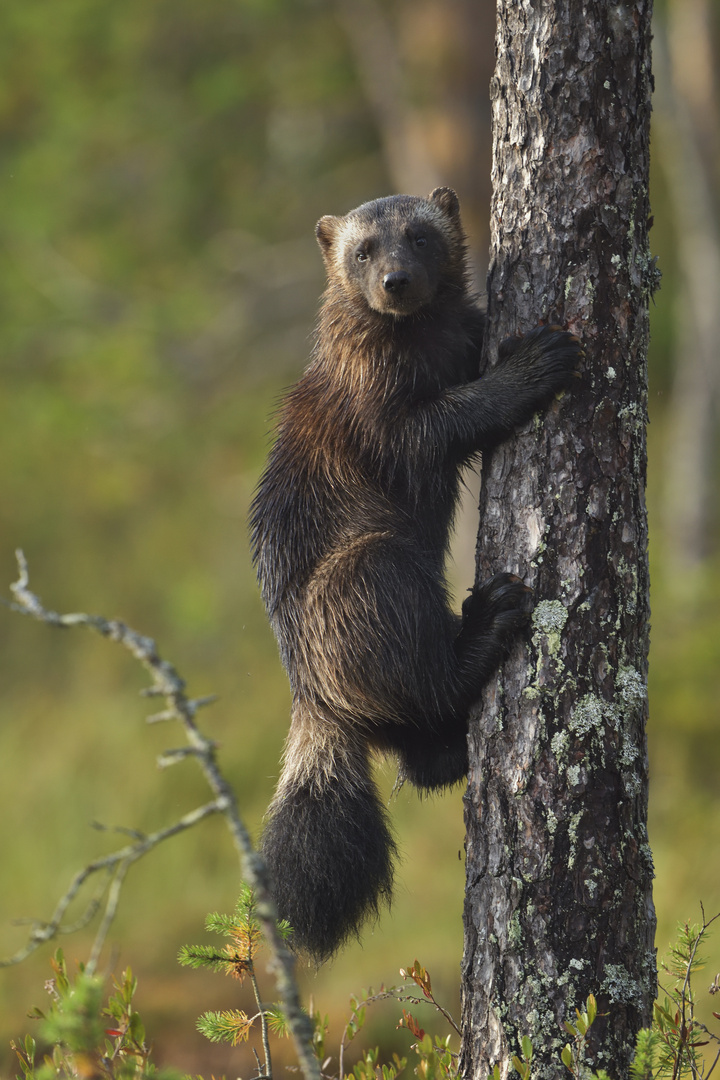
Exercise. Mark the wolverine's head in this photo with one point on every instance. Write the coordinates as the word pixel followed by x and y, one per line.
pixel 398 254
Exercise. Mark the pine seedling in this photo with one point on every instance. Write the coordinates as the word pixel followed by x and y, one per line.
pixel 237 958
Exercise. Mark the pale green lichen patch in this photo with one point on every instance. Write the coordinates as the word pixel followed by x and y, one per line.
pixel 559 746
pixel 574 775
pixel 631 687
pixel 628 752
pixel 588 716
pixel 620 985
pixel 590 719
pixel 630 700
pixel 632 783
pixel 550 616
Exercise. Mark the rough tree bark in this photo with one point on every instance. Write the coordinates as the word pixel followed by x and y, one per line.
pixel 558 900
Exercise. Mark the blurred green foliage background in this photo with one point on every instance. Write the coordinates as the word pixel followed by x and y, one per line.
pixel 162 167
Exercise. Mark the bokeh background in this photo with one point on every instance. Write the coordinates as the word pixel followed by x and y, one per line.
pixel 163 163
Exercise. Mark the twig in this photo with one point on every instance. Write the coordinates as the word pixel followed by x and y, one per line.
pixel 116 865
pixel 168 684
pixel 263 1024
pixel 382 995
pixel 260 1075
pixel 399 994
pixel 683 1055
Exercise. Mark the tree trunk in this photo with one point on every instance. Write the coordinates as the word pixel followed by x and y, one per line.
pixel 558 896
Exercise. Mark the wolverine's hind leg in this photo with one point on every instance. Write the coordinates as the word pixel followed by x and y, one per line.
pixel 381 645
pixel 432 759
pixel 491 618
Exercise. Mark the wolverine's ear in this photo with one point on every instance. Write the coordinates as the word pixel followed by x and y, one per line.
pixel 447 200
pixel 326 230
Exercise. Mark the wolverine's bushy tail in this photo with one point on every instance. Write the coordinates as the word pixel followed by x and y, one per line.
pixel 328 847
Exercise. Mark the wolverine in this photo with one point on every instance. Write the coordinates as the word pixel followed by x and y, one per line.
pixel 349 528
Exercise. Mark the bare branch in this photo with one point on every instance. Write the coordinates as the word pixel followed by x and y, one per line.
pixel 167 683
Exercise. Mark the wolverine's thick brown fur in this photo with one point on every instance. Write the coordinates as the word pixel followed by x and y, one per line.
pixel 350 528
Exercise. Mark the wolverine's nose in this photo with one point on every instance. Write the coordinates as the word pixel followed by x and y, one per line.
pixel 396 281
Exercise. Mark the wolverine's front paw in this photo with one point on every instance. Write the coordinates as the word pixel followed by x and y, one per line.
pixel 550 356
pixel 504 602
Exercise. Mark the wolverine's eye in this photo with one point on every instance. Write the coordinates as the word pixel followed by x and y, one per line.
pixel 362 255
pixel 421 241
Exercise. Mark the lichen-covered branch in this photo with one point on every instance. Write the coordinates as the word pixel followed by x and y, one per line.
pixel 167 683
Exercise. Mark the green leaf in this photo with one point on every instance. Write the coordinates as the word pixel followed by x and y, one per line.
pixel 285 930
pixel 129 986
pixel 663 1016
pixel 246 903
pixel 277 1021
pixel 62 982
pixel 566 1056
pixel 527 1047
pixel 231 1026
pixel 218 923
pixel 643 1064
pixel 198 956
pixel 137 1029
